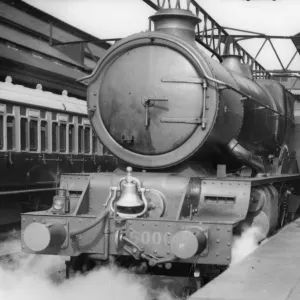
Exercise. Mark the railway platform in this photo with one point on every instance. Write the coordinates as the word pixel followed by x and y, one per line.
pixel 271 272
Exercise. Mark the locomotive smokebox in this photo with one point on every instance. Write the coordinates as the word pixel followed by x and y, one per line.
pixel 176 22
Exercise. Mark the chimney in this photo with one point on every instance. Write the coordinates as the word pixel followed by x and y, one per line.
pixel 177 22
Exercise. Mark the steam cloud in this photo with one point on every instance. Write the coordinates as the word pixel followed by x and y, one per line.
pixel 33 277
pixel 245 244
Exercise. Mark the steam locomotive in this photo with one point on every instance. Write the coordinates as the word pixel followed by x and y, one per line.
pixel 204 149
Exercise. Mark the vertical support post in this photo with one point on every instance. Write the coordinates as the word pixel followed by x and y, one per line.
pixel 50 34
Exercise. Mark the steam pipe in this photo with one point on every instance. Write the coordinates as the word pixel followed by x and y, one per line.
pixel 99 256
pixel 101 217
pixel 245 156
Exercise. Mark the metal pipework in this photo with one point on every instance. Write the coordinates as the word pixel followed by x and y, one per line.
pixel 245 156
pixel 106 233
pixel 100 218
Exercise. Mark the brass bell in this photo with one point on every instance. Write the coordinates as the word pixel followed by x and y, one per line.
pixel 129 197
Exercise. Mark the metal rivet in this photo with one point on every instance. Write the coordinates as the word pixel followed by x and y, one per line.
pixel 217 254
pixel 228 258
pixel 168 252
pixel 218 228
pixel 155 251
pixel 169 225
pixel 218 241
pixel 134 250
pixel 228 244
pixel 130 229
pixel 168 233
pixel 130 222
pixel 143 224
pixel 168 243
pixel 155 224
pixel 228 230
pixel 33 219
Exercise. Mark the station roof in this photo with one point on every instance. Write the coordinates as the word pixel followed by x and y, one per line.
pixel 36 47
pixel 261 23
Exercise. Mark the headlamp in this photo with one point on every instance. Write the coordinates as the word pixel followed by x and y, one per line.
pixel 61 202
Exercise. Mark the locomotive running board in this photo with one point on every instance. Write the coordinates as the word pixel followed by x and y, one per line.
pixel 255 181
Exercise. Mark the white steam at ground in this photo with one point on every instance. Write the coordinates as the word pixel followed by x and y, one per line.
pixel 42 277
pixel 245 244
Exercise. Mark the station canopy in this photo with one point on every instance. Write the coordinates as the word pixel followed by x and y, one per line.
pixel 269 31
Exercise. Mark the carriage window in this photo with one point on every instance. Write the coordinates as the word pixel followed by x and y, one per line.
pixel 71 138
pixel 24 134
pixel 10 132
pixel 94 143
pixel 80 138
pixel 23 111
pixel 1 132
pixel 43 114
pixel 62 137
pixel 44 136
pixel 54 137
pixel 9 109
pixel 87 139
pixel 33 135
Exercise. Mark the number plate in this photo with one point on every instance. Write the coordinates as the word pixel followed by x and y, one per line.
pixel 155 236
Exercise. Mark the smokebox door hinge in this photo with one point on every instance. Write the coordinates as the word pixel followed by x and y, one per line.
pixel 91 111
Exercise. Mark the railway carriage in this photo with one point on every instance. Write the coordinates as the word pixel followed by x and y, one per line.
pixel 42 135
